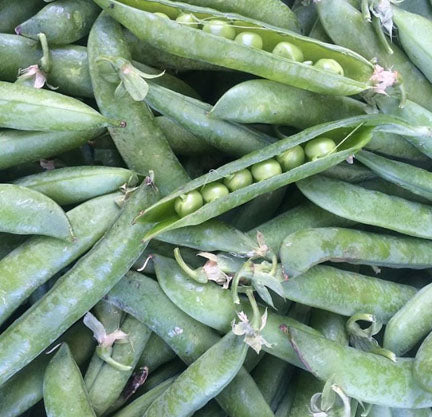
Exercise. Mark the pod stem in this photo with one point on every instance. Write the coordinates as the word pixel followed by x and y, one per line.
pixel 45 61
pixel 376 23
pixel 365 10
pixel 236 281
pixel 256 317
pixel 104 353
pixel 192 273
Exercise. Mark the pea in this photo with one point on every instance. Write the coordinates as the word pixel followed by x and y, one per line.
pixel 288 50
pixel 220 28
pixel 188 19
pixel 329 65
pixel 250 39
pixel 211 192
pixel 238 180
pixel 319 147
pixel 291 158
pixel 266 169
pixel 163 15
pixel 188 203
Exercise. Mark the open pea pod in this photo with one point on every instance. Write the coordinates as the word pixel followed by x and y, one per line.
pixel 351 134
pixel 187 41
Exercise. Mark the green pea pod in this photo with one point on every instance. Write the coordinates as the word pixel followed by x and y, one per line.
pixel 143 298
pixel 306 14
pixel 211 409
pixel 330 325
pixel 263 101
pixel 352 173
pixel 139 406
pixel 76 184
pixel 347 293
pixel 197 44
pixel 421 7
pixel 40 258
pixel 407 327
pixel 413 179
pixel 216 308
pixel 28 212
pixel 422 364
pixel 141 144
pixel 13 13
pixel 64 390
pixel 270 11
pixel 64 21
pixel 9 242
pixel 28 108
pixel 415 35
pixel 369 207
pixel 110 382
pixel 164 217
pixel 76 291
pixel 192 115
pixel 302 217
pixel 346 26
pixel 196 386
pixel 25 388
pixel 155 354
pixel 376 379
pixel 408 412
pixel 303 249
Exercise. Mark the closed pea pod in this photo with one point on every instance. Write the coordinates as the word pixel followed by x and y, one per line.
pixel 369 207
pixel 13 13
pixel 25 211
pixel 303 249
pixel 77 184
pixel 193 43
pixel 64 389
pixel 423 365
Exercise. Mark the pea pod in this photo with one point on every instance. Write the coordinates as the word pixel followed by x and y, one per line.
pixel 409 412
pixel 377 380
pixel 407 327
pixel 76 291
pixel 346 26
pixel 25 212
pixel 369 207
pixel 156 353
pixel 196 386
pixel 421 7
pixel 28 108
pixel 40 258
pixel 263 101
pixel 64 21
pixel 9 242
pixel 303 249
pixel 352 173
pixel 164 217
pixel 415 35
pixel 189 42
pixel 422 364
pixel 77 184
pixel 272 11
pixel 142 297
pixel 141 144
pixel 192 115
pixel 13 13
pixel 25 389
pixel 413 179
pixel 64 390
pixel 347 293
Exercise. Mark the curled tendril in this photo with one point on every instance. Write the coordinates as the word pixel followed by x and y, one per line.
pixel 330 400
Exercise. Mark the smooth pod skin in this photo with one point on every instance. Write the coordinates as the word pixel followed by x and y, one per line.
pixel 347 293
pixel 304 249
pixel 77 184
pixel 365 376
pixel 423 364
pixel 411 323
pixel 264 101
pixel 196 44
pixel 415 35
pixel 369 207
pixel 28 108
pixel 25 389
pixel 13 13
pixel 354 173
pixel 155 354
pixel 40 258
pixel 346 26
pixel 78 290
pixel 143 298
pixel 141 144
pixel 192 114
pixel 110 382
pixel 413 179
pixel 196 385
pixel 65 394
pixel 27 212
pixel 63 22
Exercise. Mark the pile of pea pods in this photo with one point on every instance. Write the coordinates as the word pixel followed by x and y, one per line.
pixel 215 208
